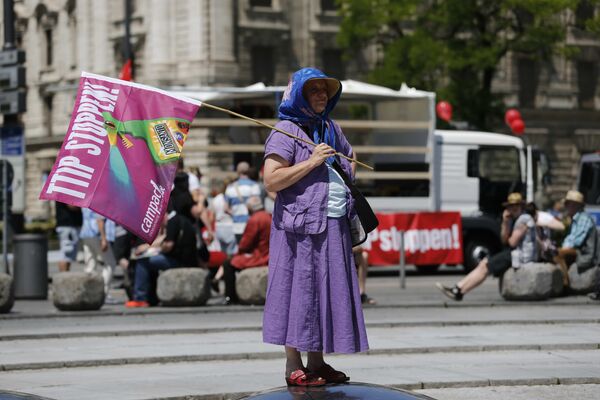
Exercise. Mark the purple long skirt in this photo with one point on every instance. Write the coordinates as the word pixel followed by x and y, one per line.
pixel 313 301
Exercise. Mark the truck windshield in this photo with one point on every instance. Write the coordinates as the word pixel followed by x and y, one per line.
pixel 589 182
pixel 499 175
pixel 499 164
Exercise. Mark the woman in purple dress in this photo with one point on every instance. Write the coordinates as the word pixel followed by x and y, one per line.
pixel 313 302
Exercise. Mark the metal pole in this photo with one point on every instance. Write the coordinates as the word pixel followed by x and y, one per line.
pixel 9 25
pixel 5 215
pixel 402 262
pixel 9 43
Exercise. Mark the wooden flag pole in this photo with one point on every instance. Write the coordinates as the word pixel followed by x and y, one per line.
pixel 279 130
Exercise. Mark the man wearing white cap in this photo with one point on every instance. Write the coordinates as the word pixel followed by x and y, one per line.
pixel 237 194
pixel 580 244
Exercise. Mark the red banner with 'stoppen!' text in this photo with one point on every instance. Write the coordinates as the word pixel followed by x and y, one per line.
pixel 429 238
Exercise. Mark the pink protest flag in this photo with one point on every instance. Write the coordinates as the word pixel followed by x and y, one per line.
pixel 120 154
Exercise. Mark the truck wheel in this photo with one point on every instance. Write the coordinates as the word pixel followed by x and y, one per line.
pixel 476 249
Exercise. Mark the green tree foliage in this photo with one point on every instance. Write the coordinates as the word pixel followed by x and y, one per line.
pixel 453 47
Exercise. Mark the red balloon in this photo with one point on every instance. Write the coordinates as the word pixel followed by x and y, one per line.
pixel 517 126
pixel 511 115
pixel 444 110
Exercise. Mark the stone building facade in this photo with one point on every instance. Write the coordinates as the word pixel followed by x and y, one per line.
pixel 176 43
pixel 240 42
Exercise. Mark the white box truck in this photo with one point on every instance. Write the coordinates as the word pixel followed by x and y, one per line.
pixel 473 173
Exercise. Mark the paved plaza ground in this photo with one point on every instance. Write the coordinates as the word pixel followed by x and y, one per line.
pixel 480 348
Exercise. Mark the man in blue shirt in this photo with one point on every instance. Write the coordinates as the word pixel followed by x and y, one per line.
pixel 237 194
pixel 580 244
pixel 68 225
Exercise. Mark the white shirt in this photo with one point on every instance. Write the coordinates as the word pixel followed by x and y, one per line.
pixel 193 182
pixel 336 201
pixel 218 204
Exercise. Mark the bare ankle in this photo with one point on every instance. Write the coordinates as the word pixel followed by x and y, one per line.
pixel 291 367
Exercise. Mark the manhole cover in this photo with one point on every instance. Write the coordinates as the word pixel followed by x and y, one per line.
pixel 353 391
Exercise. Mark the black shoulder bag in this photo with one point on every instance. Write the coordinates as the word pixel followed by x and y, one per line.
pixel 365 220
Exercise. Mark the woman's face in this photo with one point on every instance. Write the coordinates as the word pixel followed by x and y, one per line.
pixel 315 93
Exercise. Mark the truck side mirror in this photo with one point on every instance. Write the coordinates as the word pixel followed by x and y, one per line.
pixel 473 163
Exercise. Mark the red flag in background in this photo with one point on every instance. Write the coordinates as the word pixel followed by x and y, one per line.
pixel 126 71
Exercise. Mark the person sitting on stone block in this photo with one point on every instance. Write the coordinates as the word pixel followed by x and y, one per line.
pixel 580 243
pixel 178 249
pixel 548 227
pixel 96 238
pixel 253 249
pixel 518 234
pixel 68 226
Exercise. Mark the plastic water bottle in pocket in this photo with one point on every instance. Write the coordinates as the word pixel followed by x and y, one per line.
pixel 515 256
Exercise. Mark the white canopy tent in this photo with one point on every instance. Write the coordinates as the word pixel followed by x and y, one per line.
pixel 399 129
pixel 351 90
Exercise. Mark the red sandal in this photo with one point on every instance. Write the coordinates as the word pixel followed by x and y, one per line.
pixel 331 375
pixel 304 378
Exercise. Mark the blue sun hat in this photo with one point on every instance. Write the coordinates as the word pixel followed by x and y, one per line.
pixel 294 107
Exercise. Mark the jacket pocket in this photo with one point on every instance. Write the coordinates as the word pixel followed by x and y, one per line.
pixel 293 218
pixel 300 218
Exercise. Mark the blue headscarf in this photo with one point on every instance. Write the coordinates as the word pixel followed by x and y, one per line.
pixel 294 106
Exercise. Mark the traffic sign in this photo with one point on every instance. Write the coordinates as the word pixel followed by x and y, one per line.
pixel 12 56
pixel 12 141
pixel 12 148
pixel 12 77
pixel 12 102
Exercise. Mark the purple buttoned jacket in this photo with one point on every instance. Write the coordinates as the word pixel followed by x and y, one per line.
pixel 302 207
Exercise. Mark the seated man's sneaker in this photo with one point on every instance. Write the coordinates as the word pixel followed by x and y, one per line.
pixel 228 301
pixel 452 292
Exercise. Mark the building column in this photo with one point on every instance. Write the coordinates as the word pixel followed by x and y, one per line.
pixel 222 68
pixel 159 55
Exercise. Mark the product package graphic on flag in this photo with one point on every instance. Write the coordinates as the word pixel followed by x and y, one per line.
pixel 120 153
